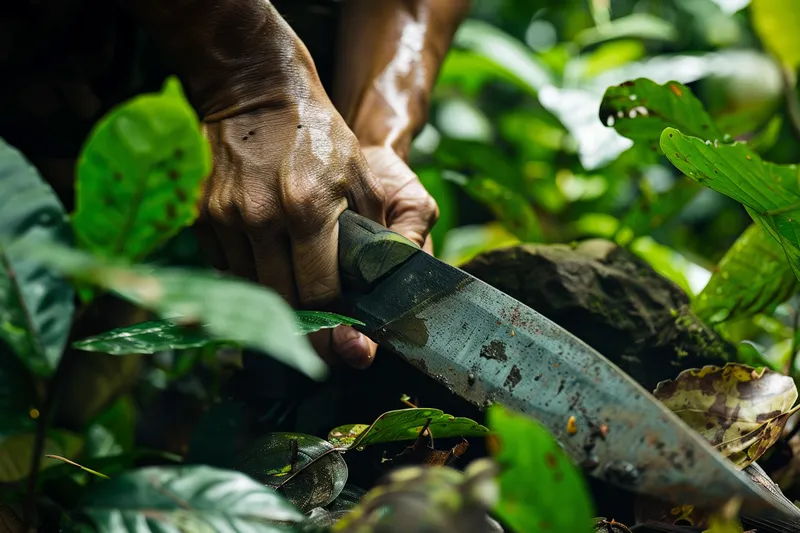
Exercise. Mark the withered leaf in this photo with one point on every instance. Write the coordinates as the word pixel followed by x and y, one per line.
pixel 739 409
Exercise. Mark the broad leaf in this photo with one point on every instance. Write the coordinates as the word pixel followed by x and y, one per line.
pixel 306 469
pixel 641 109
pixel 112 432
pixel 406 424
pixel 738 409
pixel 311 321
pixel 147 338
pixel 187 498
pixel 536 477
pixel 769 191
pixel 139 175
pixel 753 277
pixel 252 315
pixel 776 22
pixel 161 335
pixel 16 452
pixel 36 306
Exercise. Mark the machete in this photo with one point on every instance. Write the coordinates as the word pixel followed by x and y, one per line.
pixel 487 347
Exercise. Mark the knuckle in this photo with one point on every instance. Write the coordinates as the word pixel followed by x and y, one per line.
pixel 303 206
pixel 259 214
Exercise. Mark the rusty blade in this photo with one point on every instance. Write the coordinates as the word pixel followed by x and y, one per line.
pixel 487 347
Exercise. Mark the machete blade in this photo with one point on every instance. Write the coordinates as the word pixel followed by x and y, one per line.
pixel 487 347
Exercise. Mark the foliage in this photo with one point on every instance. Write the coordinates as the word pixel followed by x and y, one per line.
pixel 536 477
pixel 35 304
pixel 139 175
pixel 670 128
pixel 405 424
pixel 738 409
pixel 187 498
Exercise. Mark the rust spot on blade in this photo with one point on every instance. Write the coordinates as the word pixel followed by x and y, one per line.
pixel 513 378
pixel 495 351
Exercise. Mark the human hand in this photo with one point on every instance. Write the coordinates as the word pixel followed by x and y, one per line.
pixel 410 211
pixel 282 176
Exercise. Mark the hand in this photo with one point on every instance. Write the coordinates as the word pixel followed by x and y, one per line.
pixel 410 211
pixel 282 176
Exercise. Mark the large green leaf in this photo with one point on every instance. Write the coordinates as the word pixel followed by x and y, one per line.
pixel 139 175
pixel 739 409
pixel 405 424
pixel 641 109
pixel 307 470
pixel 36 306
pixel 753 276
pixel 188 498
pixel 769 191
pixel 776 22
pixel 229 308
pixel 540 488
pixel 160 335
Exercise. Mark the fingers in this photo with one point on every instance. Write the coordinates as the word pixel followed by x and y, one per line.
pixel 354 348
pixel 413 213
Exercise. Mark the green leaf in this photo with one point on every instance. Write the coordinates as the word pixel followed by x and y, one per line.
pixel 510 208
pixel 36 306
pixel 16 452
pixel 739 409
pixel 161 335
pixel 753 277
pixel 311 321
pixel 112 431
pixel 147 338
pixel 307 470
pixel 187 498
pixel 139 175
pixel 776 23
pixel 229 308
pixel 769 191
pixel 641 109
pixel 406 424
pixel 536 477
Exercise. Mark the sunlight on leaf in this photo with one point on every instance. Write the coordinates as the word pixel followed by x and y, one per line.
pixel 405 424
pixel 776 22
pixel 641 109
pixel 139 175
pixel 740 410
pixel 536 477
pixel 753 277
pixel 311 321
pixel 768 191
pixel 187 498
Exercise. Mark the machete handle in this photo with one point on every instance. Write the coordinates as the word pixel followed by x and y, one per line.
pixel 368 251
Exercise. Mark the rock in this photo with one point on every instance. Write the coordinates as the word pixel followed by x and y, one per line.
pixel 610 299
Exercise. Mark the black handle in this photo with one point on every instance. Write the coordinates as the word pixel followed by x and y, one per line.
pixel 368 251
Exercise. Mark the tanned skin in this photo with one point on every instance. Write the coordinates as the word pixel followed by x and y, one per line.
pixel 287 162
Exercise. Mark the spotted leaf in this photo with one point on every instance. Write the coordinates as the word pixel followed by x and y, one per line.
pixel 139 175
pixel 739 409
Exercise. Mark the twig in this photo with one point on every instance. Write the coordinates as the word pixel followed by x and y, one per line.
pixel 792 105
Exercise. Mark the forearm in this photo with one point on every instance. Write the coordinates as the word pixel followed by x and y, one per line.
pixel 391 52
pixel 232 54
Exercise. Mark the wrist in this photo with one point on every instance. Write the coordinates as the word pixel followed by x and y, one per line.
pixel 231 54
